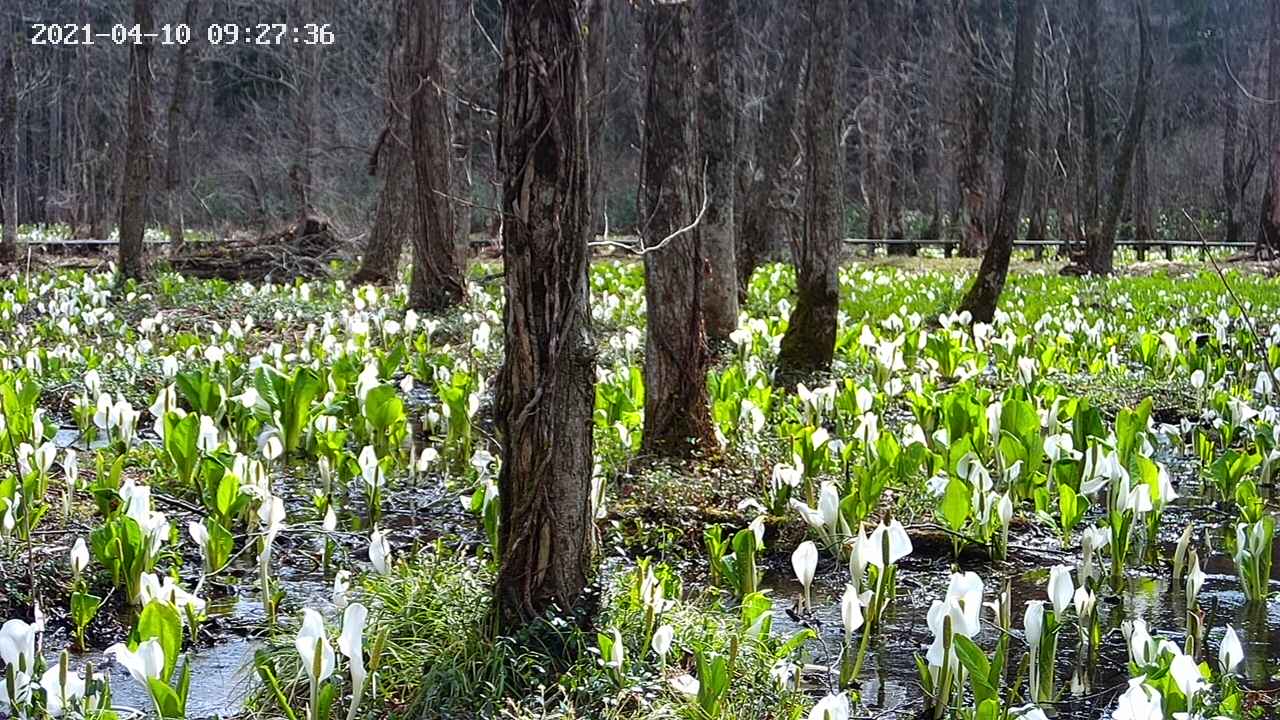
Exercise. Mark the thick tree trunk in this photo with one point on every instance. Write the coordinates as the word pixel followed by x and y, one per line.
pixel 717 31
pixel 1101 246
pixel 1091 182
pixel 985 292
pixel 809 343
pixel 175 163
pixel 974 173
pixel 676 414
pixel 437 283
pixel 759 227
pixel 306 68
pixel 458 42
pixel 9 149
pixel 599 15
pixel 1269 227
pixel 137 166
pixel 395 219
pixel 396 216
pixel 546 388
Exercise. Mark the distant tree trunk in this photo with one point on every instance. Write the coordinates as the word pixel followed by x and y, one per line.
pixel 305 62
pixel 1269 227
pixel 458 42
pixel 1091 191
pixel 1233 198
pixel 974 173
pixel 1101 247
pixel 437 283
pixel 175 163
pixel 1143 227
pixel 983 295
pixel 717 31
pixel 599 14
pixel 776 150
pixel 676 414
pixel 137 165
pixel 809 343
pixel 9 148
pixel 546 388
pixel 396 216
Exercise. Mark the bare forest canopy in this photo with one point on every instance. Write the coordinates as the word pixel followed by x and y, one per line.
pixel 252 124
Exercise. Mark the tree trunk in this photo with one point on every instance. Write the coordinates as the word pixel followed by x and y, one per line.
pixel 546 388
pixel 809 343
pixel 459 48
pixel 676 414
pixel 9 149
pixel 175 163
pixel 1143 226
pixel 599 14
pixel 776 150
pixel 395 219
pixel 437 283
pixel 396 216
pixel 137 166
pixel 974 173
pixel 716 34
pixel 985 293
pixel 1269 227
pixel 1101 247
pixel 305 69
pixel 1232 196
pixel 1092 183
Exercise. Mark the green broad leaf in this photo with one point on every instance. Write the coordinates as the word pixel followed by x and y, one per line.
pixel 324 703
pixel 713 681
pixel 1071 507
pixel 161 621
pixel 1019 418
pixel 975 661
pixel 181 438
pixel 988 709
pixel 221 544
pixel 166 699
pixel 84 607
pixel 955 504
pixel 383 407
pixel 228 494
pixel 184 683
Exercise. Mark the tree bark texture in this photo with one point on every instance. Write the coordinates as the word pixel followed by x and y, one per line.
pixel 677 417
pixel 1091 172
pixel 983 295
pixel 974 172
pixel 599 19
pixel 716 39
pixel 546 388
pixel 458 43
pixel 1102 245
pixel 437 283
pixel 396 216
pixel 137 164
pixel 760 223
pixel 1269 227
pixel 809 343
pixel 175 162
pixel 9 144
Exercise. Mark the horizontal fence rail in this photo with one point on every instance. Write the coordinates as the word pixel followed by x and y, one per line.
pixel 949 246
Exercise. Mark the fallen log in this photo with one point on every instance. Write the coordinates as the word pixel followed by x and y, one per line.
pixel 304 250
